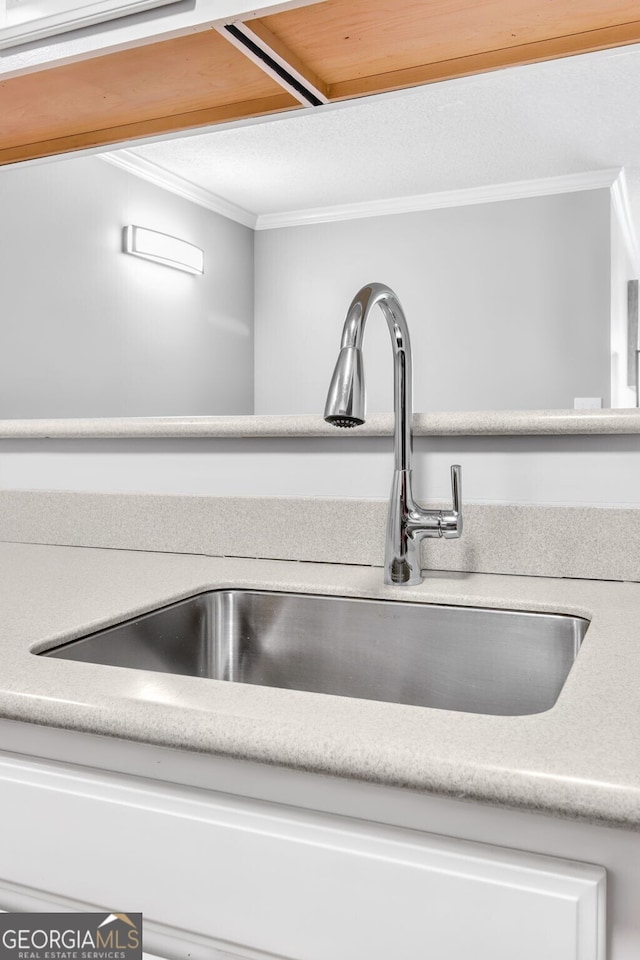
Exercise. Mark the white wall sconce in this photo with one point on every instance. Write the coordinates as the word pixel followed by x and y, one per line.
pixel 162 248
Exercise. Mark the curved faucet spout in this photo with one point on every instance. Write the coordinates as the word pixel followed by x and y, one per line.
pixel 408 523
pixel 352 336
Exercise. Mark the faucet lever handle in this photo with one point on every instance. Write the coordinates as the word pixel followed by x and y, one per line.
pixel 451 520
pixel 456 487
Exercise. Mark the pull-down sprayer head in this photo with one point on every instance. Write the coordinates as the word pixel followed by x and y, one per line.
pixel 345 405
pixel 346 398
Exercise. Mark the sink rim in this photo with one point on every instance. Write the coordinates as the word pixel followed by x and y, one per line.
pixel 43 647
pixel 479 672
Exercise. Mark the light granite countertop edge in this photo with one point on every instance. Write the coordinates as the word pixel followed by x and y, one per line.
pixel 464 423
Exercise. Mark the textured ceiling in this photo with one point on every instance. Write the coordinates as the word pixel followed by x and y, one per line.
pixel 562 117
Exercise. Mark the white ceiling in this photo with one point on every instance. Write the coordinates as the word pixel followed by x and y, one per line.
pixel 551 119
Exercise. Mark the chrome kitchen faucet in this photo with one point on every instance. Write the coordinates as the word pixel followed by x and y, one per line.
pixel 408 523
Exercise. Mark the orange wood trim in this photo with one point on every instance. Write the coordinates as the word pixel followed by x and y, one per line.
pixel 555 48
pixel 146 128
pixel 345 40
pixel 263 32
pixel 192 80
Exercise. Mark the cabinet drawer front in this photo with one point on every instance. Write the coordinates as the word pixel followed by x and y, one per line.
pixel 257 877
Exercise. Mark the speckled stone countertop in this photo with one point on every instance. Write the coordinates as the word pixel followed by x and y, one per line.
pixel 463 423
pixel 580 759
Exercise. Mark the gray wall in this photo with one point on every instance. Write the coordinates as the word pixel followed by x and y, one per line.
pixel 508 304
pixel 86 331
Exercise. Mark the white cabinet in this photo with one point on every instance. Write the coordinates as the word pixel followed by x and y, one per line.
pixel 252 879
pixel 24 20
pixel 62 31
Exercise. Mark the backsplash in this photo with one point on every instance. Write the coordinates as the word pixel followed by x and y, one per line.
pixel 551 470
pixel 601 543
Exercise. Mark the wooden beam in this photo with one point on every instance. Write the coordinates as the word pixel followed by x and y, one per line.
pixel 350 43
pixel 344 48
pixel 490 60
pixel 147 128
pixel 189 81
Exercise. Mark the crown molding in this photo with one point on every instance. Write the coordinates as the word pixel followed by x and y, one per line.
pixel 518 190
pixel 130 161
pixel 612 179
pixel 622 209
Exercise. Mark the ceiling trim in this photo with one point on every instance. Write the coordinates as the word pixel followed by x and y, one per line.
pixel 570 183
pixel 622 209
pixel 146 170
pixel 613 179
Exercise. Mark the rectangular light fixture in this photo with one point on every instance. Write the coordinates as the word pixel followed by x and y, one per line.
pixel 163 248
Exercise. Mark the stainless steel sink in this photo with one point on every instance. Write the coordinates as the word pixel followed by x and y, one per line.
pixel 454 658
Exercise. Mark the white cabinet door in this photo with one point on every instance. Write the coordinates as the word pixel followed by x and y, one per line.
pixel 254 879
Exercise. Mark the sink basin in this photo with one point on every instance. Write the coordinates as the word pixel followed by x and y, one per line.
pixel 454 658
